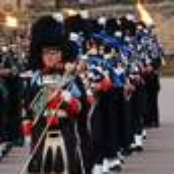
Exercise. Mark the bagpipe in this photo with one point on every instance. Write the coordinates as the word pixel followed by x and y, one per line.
pixel 56 100
pixel 98 75
pixel 100 68
pixel 132 56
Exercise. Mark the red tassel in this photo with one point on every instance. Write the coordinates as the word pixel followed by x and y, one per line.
pixel 52 121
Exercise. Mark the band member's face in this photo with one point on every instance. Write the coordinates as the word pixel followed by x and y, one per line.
pixel 70 67
pixel 51 57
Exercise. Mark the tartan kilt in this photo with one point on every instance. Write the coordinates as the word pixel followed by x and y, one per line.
pixel 50 157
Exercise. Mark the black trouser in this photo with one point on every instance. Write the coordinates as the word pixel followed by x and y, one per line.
pixel 97 129
pixel 113 114
pixel 4 109
pixel 152 86
pixel 85 142
pixel 109 125
pixel 138 109
pixel 127 131
pixel 14 133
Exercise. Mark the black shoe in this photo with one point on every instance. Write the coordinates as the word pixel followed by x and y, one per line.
pixel 6 148
pixel 138 149
pixel 116 166
pixel 127 152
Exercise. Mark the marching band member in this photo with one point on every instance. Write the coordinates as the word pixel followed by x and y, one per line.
pixel 59 104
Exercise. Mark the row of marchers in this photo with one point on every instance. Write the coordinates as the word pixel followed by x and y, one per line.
pixel 92 90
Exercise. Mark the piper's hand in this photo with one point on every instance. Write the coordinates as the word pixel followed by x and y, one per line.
pixel 149 69
pixel 61 113
pixel 72 104
pixel 67 96
pixel 26 74
pixel 70 68
pixel 129 88
pixel 104 85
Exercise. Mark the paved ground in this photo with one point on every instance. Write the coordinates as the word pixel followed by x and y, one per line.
pixel 167 100
pixel 158 157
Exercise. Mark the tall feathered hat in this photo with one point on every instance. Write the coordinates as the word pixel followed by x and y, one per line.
pixel 45 32
pixel 128 26
pixel 73 23
pixel 112 26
